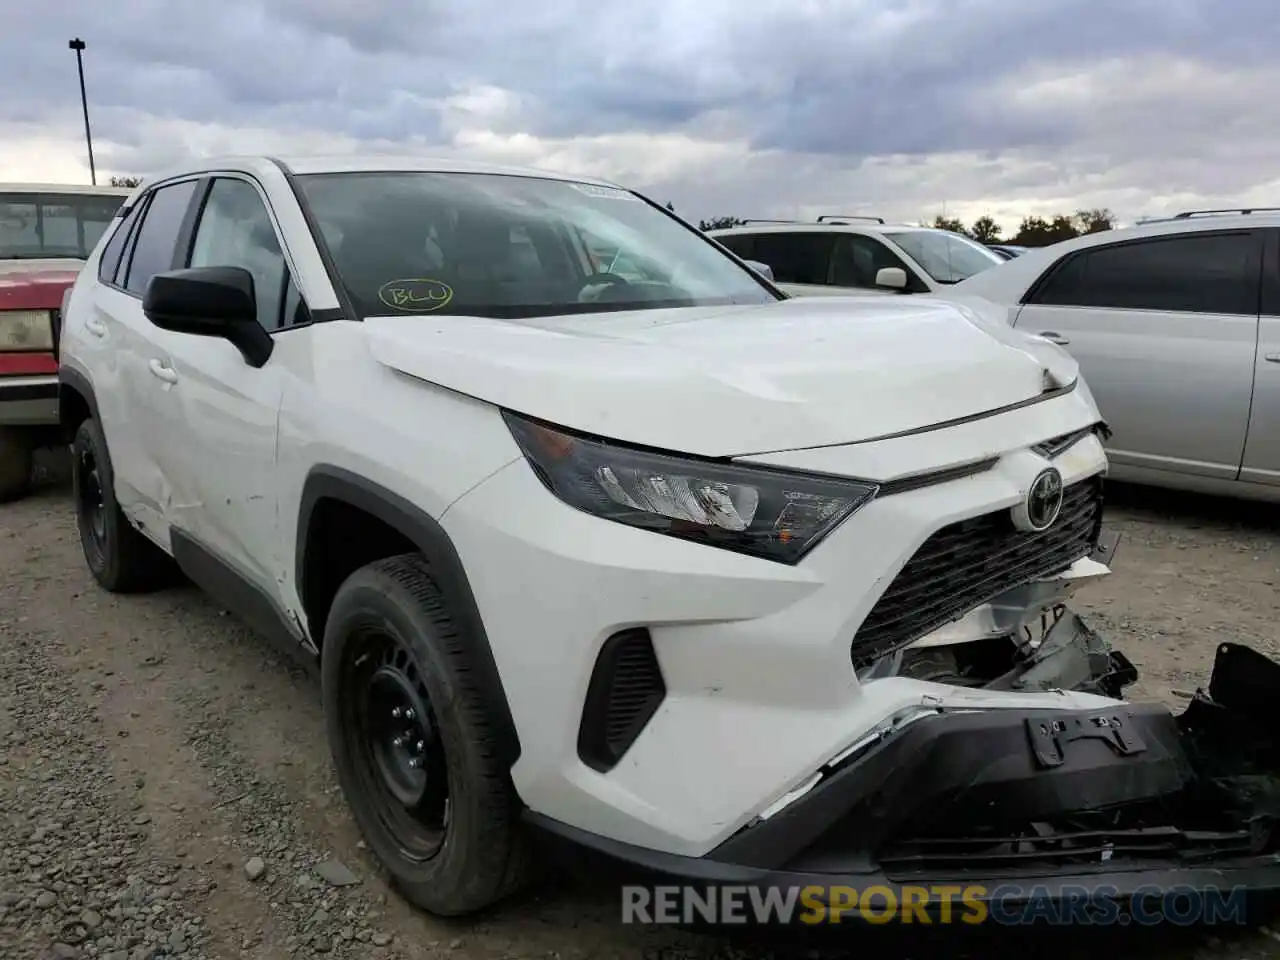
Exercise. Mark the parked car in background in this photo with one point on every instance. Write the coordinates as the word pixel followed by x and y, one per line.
pixel 1007 251
pixel 46 233
pixel 1176 326
pixel 843 256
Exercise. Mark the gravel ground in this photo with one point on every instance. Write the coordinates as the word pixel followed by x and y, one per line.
pixel 165 788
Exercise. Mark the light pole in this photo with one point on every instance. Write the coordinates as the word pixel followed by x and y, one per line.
pixel 78 46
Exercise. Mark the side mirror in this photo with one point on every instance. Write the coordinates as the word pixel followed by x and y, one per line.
pixel 210 302
pixel 763 269
pixel 895 278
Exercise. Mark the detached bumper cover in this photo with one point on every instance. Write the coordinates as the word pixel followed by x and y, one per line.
pixel 1006 808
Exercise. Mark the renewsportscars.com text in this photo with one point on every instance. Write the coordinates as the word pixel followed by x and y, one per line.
pixel 1008 905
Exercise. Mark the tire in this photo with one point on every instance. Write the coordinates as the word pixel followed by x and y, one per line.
pixel 120 558
pixel 15 463
pixel 390 639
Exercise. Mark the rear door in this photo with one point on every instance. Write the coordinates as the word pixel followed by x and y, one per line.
pixel 800 261
pixel 1262 447
pixel 118 332
pixel 1165 330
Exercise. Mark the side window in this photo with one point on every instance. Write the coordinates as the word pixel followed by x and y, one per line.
pixel 155 249
pixel 742 244
pixel 236 231
pixel 796 257
pixel 110 261
pixel 1197 273
pixel 859 258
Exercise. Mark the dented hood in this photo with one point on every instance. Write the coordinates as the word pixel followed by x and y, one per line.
pixel 728 381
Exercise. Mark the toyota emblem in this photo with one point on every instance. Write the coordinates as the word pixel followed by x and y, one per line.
pixel 1043 502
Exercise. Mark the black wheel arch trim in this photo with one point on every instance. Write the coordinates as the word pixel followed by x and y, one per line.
pixel 70 378
pixel 326 482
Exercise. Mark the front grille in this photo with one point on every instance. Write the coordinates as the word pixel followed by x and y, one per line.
pixel 995 856
pixel 971 562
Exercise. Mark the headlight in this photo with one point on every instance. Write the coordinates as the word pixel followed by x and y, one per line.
pixel 22 330
pixel 764 512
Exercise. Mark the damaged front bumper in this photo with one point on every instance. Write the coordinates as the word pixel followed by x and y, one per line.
pixel 1007 809
pixel 989 813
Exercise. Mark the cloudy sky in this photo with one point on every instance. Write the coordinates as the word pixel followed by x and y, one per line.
pixel 747 107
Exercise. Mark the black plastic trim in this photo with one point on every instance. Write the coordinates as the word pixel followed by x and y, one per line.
pixel 17 392
pixel 931 479
pixel 594 746
pixel 331 482
pixel 70 378
pixel 346 309
pixel 239 594
pixel 1257 875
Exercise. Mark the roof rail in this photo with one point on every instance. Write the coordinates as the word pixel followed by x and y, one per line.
pixel 767 221
pixel 1188 214
pixel 837 217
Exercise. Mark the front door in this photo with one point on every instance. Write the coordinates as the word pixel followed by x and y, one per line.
pixel 216 439
pixel 1165 330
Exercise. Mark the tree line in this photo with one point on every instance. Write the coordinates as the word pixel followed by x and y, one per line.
pixel 1032 232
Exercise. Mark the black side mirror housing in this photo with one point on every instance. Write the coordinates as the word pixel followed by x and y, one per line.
pixel 210 302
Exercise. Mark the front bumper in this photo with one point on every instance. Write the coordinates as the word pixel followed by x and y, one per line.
pixel 29 401
pixel 1010 816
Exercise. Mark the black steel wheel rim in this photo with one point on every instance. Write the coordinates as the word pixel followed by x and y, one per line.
pixel 92 501
pixel 393 739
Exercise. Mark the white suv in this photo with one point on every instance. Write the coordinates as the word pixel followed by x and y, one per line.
pixel 710 580
pixel 842 256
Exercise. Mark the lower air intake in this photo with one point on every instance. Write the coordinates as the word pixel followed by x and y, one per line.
pixel 625 691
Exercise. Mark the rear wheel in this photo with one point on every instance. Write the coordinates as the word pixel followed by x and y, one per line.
pixel 414 744
pixel 120 558
pixel 16 450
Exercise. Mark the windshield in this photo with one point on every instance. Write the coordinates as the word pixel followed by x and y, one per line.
pixel 34 226
pixel 511 246
pixel 947 257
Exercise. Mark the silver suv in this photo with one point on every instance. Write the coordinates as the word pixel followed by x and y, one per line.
pixel 844 255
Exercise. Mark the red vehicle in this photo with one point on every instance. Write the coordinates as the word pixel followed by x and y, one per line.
pixel 47 231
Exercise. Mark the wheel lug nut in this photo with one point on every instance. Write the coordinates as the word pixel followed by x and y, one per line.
pixel 408 713
pixel 397 741
pixel 420 745
pixel 414 763
pixel 397 712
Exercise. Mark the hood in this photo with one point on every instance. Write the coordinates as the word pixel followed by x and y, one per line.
pixel 36 284
pixel 729 381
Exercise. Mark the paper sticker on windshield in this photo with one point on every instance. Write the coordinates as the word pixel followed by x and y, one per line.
pixel 603 193
pixel 417 295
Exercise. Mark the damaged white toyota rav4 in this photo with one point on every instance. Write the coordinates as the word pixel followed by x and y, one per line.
pixel 595 535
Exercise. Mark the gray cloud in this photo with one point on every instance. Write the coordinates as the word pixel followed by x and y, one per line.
pixel 818 90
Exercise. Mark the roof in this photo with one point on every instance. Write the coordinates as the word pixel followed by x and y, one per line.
pixel 807 227
pixel 366 163
pixel 83 188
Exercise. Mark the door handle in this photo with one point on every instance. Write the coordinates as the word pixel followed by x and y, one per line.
pixel 1273 358
pixel 1054 337
pixel 96 327
pixel 167 374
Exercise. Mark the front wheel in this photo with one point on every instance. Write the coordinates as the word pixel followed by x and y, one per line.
pixel 414 742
